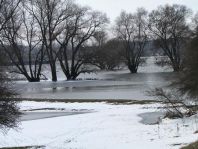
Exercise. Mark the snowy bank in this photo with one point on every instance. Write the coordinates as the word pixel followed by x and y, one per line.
pixel 110 126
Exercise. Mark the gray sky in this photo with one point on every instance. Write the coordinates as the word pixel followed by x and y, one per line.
pixel 113 7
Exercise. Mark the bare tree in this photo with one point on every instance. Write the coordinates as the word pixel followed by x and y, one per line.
pixel 168 25
pixel 50 15
pixel 22 43
pixel 174 103
pixel 100 37
pixel 97 53
pixel 131 29
pixel 196 19
pixel 188 81
pixel 79 29
pixel 9 112
pixel 107 55
pixel 195 23
pixel 7 10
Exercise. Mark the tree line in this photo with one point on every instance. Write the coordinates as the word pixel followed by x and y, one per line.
pixel 33 32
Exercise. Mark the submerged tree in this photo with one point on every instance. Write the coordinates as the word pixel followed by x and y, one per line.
pixel 108 55
pixel 22 43
pixel 131 30
pixel 77 32
pixel 50 16
pixel 168 25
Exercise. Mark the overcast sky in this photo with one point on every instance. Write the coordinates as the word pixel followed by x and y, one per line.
pixel 113 7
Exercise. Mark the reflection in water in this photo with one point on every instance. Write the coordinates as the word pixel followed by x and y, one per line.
pixel 120 84
pixel 70 89
pixel 54 89
pixel 137 81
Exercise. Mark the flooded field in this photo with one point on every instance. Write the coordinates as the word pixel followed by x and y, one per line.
pixel 101 85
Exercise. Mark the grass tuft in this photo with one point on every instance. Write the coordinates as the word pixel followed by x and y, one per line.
pixel 191 146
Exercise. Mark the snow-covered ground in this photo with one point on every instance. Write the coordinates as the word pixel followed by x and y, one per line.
pixel 57 125
pixel 105 127
pixel 105 85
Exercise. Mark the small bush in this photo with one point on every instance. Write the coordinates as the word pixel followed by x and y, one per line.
pixel 174 104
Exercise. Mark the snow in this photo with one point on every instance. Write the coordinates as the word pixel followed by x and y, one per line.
pixel 99 125
pixel 110 126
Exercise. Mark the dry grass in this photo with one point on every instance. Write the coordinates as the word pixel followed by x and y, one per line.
pixel 191 146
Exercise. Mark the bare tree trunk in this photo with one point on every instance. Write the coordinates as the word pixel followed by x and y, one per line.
pixel 131 29
pixel 169 26
pixel 53 71
pixel 132 68
pixel 27 58
pixel 79 29
pixel 50 16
